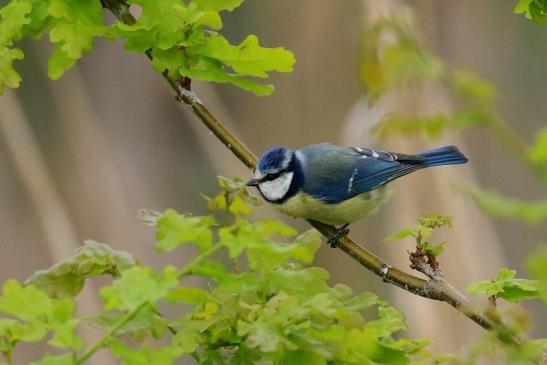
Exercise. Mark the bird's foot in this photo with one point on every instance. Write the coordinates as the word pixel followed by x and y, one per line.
pixel 333 239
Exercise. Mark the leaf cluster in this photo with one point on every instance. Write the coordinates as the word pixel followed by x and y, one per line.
pixel 423 230
pixel 181 37
pixel 394 58
pixel 402 62
pixel 262 302
pixel 506 286
pixel 535 10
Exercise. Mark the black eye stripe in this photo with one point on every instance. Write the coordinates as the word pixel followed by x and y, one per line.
pixel 273 176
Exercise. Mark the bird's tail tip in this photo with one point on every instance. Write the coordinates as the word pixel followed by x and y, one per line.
pixel 447 155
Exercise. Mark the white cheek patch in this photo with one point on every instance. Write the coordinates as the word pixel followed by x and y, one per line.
pixel 276 189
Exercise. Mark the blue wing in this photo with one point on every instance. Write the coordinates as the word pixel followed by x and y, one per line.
pixel 334 173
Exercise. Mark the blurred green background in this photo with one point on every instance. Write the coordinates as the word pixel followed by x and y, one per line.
pixel 80 156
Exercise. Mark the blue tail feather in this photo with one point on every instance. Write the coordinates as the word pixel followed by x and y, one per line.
pixel 447 155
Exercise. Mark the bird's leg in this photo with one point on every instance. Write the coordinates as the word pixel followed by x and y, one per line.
pixel 333 239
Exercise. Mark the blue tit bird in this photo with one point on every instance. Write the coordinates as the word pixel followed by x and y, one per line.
pixel 337 185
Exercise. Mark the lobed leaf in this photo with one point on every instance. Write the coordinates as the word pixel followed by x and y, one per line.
pixel 145 355
pixel 402 234
pixel 177 36
pixel 40 313
pixel 506 286
pixel 73 27
pixel 535 10
pixel 67 277
pixel 138 285
pixel 218 5
pixel 13 17
pixel 174 229
pixel 390 320
pixel 144 322
pixel 234 197
pixel 274 255
pixel 247 58
pixel 8 76
pixel 433 249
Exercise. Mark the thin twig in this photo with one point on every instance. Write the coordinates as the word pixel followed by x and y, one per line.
pixel 425 288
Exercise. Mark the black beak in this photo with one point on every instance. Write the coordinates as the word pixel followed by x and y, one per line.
pixel 253 182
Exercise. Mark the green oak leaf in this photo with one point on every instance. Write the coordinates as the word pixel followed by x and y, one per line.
pixel 8 76
pixel 174 229
pixel 208 69
pixel 13 17
pixel 146 321
pixel 73 27
pixel 67 277
pixel 533 9
pixel 402 234
pixel 25 302
pixel 506 286
pixel 247 58
pixel 144 355
pixel 36 308
pixel 138 285
pixel 217 5
pixel 268 256
pixel 390 320
pixel 433 249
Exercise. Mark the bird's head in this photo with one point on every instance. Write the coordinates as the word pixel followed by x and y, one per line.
pixel 278 175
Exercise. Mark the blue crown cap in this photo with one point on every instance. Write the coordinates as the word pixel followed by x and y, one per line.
pixel 273 158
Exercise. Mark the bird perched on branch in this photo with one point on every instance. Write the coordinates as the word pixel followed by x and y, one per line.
pixel 337 185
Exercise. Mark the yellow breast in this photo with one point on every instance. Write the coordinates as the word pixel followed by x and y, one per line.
pixel 303 205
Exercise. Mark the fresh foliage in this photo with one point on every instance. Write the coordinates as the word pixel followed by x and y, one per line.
pixel 181 37
pixel 473 98
pixel 535 10
pixel 270 306
pixel 66 279
pixel 404 63
pixel 260 301
pixel 506 286
pixel 423 230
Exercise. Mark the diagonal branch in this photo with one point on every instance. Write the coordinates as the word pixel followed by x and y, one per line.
pixel 434 288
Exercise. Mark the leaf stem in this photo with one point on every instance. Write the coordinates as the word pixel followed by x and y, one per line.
pixel 446 293
pixel 112 331
pixel 199 259
pixel 132 314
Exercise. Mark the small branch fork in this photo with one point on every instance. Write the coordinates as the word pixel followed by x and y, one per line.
pixel 436 288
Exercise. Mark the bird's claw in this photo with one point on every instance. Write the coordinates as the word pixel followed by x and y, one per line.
pixel 333 239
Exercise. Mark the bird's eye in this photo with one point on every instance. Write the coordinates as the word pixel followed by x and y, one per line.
pixel 271 177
